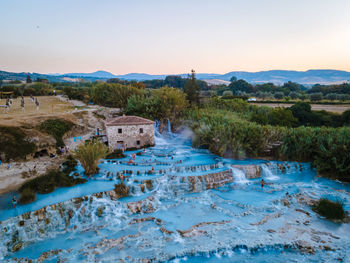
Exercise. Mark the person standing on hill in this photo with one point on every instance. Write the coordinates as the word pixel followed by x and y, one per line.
pixel 37 104
pixel 7 106
pixel 22 104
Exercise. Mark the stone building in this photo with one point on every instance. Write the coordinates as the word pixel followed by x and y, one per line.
pixel 125 132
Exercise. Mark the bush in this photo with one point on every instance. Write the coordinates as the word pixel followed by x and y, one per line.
pixel 69 165
pixel 227 94
pixel 116 154
pixel 27 196
pixel 57 128
pixel 329 209
pixel 13 143
pixel 89 155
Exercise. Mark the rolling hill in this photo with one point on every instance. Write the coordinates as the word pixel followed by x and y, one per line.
pixel 309 77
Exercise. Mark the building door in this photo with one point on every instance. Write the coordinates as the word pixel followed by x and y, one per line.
pixel 120 145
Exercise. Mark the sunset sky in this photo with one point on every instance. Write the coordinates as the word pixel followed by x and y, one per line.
pixel 169 37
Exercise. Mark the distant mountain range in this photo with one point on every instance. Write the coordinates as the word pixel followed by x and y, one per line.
pixel 309 77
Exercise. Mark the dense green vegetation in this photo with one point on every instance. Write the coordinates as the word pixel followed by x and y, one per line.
pixel 57 128
pixel 113 95
pixel 160 104
pixel 13 144
pixel 300 114
pixel 45 184
pixel 227 130
pixel 330 209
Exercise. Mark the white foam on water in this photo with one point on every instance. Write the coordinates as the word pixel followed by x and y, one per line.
pixel 239 176
pixel 268 174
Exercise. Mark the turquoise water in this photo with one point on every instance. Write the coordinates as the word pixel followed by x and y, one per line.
pixel 179 219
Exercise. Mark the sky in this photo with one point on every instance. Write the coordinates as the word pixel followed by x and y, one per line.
pixel 173 36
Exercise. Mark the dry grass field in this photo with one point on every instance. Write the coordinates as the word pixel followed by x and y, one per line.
pixel 49 106
pixel 318 107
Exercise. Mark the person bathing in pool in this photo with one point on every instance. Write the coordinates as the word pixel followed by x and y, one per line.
pixel 262 183
pixel 14 201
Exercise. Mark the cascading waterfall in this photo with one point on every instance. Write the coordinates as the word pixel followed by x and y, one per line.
pixel 268 174
pixel 169 127
pixel 159 139
pixel 239 176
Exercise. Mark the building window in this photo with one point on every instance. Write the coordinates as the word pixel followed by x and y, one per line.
pixel 141 130
pixel 138 142
pixel 120 131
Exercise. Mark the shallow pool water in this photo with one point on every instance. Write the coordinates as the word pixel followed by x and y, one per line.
pixel 197 208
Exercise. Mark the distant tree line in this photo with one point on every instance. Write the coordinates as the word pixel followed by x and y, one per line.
pixel 289 91
pixel 195 89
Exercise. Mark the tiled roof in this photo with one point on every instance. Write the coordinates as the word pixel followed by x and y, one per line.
pixel 128 120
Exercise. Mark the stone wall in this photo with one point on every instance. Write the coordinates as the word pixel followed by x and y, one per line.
pixel 130 135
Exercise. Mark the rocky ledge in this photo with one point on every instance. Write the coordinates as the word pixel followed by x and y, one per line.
pixel 250 170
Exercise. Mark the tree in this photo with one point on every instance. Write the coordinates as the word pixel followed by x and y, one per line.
pixel 279 95
pixel 240 85
pixel 302 111
pixel 192 89
pixel 113 95
pixel 233 78
pixel 282 117
pixel 316 96
pixel 164 103
pixel 29 80
pixel 89 154
pixel 294 95
pixel 174 81
pixel 343 97
pixel 173 102
pixel 331 96
pixel 291 86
